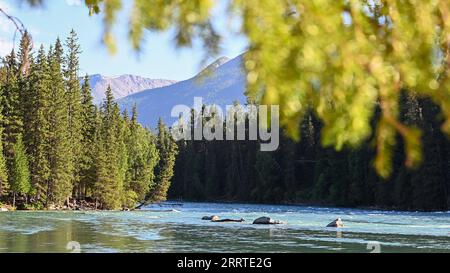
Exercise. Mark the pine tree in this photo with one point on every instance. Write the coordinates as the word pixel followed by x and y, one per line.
pixel 168 150
pixel 37 126
pixel 211 187
pixel 339 177
pixel 121 130
pixel 110 173
pixel 73 97
pixel 20 174
pixel 4 185
pixel 61 175
pixel 11 118
pixel 429 189
pixel 357 165
pixel 176 189
pixel 142 159
pixel 25 55
pixel 288 161
pixel 25 62
pixel 232 170
pixel 88 129
pixel 268 175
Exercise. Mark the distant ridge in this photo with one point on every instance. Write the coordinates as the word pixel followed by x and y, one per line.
pixel 123 85
pixel 222 83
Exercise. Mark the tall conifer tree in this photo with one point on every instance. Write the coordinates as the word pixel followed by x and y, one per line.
pixel 4 185
pixel 61 175
pixel 109 183
pixel 142 158
pixel 73 97
pixel 37 126
pixel 164 169
pixel 20 174
pixel 11 118
pixel 88 147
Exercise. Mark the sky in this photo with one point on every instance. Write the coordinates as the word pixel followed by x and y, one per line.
pixel 159 59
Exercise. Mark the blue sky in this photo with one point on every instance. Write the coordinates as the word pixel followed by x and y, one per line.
pixel 159 59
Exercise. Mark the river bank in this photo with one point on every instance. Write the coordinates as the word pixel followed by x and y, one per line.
pixel 4 208
pixel 71 205
pixel 89 205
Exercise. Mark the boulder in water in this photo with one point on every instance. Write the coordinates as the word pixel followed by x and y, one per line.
pixel 267 221
pixel 336 223
pixel 211 218
pixel 3 209
pixel 228 220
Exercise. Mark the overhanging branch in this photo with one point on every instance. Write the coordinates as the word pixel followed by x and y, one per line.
pixel 20 27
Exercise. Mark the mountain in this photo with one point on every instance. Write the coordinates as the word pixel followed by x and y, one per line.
pixel 123 85
pixel 213 66
pixel 221 83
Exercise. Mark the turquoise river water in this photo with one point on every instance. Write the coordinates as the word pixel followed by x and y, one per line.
pixel 178 228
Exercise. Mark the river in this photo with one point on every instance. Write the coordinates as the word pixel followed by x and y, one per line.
pixel 157 229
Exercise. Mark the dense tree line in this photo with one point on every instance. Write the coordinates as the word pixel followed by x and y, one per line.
pixel 305 172
pixel 308 53
pixel 58 148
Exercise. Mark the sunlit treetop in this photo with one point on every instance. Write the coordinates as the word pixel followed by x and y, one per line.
pixel 340 59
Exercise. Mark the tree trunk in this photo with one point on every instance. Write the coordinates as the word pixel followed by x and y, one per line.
pixel 141 205
pixel 14 200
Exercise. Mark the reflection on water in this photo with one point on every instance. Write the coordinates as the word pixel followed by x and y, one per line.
pixel 183 231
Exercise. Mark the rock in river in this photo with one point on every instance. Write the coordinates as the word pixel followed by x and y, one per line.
pixel 266 221
pixel 228 220
pixel 211 218
pixel 3 209
pixel 336 223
